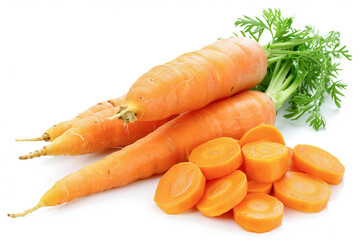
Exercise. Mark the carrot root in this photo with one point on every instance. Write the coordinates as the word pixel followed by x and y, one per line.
pixel 14 215
pixel 44 137
pixel 37 153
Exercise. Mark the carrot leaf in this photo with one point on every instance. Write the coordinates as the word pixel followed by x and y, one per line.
pixel 302 65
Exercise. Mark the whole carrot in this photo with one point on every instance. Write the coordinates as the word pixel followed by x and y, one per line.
pixel 97 133
pixel 195 79
pixel 58 129
pixel 166 146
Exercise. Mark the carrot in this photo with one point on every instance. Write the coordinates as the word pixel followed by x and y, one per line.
pixel 180 188
pixel 263 132
pixel 256 187
pixel 302 191
pixel 58 129
pixel 259 213
pixel 166 146
pixel 318 162
pixel 195 79
pixel 265 162
pixel 97 133
pixel 218 157
pixel 291 165
pixel 222 194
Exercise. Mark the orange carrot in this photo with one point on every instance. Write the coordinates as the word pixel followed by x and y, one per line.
pixel 263 132
pixel 97 133
pixel 255 187
pixel 265 162
pixel 226 67
pixel 58 129
pixel 318 162
pixel 222 194
pixel 218 157
pixel 302 191
pixel 180 188
pixel 259 213
pixel 291 165
pixel 166 146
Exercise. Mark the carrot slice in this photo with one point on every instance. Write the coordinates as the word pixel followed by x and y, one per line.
pixel 302 191
pixel 255 187
pixel 259 213
pixel 218 157
pixel 263 132
pixel 318 162
pixel 223 194
pixel 180 188
pixel 291 163
pixel 265 162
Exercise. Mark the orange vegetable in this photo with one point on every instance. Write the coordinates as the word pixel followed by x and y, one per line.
pixel 259 213
pixel 265 162
pixel 195 79
pixel 166 146
pixel 97 133
pixel 218 157
pixel 318 162
pixel 291 165
pixel 302 191
pixel 263 132
pixel 255 187
pixel 58 129
pixel 222 194
pixel 180 188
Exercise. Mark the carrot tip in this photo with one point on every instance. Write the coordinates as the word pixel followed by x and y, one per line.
pixel 37 153
pixel 44 137
pixel 14 215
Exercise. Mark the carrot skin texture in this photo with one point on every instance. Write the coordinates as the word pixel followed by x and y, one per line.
pixel 255 187
pixel 168 145
pixel 97 133
pixel 262 167
pixel 291 163
pixel 318 162
pixel 225 67
pixel 58 129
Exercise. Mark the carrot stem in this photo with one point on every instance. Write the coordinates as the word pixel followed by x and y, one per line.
pixel 126 114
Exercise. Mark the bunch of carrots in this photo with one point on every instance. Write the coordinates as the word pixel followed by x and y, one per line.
pixel 222 90
pixel 226 174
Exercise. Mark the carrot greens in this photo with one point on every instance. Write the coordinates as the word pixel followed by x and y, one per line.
pixel 302 65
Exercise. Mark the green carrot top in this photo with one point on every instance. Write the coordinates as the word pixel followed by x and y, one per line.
pixel 302 65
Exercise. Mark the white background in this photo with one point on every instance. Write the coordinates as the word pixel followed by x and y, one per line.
pixel 57 58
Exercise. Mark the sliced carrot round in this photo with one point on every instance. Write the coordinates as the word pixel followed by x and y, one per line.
pixel 302 191
pixel 259 213
pixel 256 187
pixel 218 157
pixel 318 162
pixel 180 188
pixel 222 194
pixel 265 162
pixel 291 164
pixel 263 132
